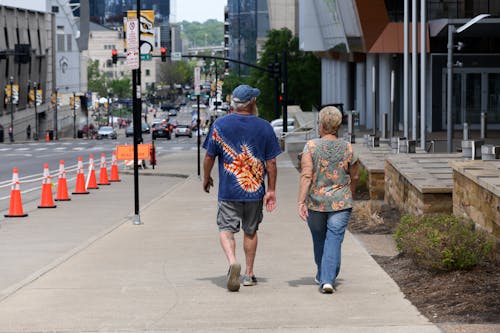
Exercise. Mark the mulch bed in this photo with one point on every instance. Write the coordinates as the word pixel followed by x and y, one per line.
pixel 458 296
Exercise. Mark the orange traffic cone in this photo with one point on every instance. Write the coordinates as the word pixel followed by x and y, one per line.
pixel 103 171
pixel 62 185
pixel 91 179
pixel 46 201
pixel 47 137
pixel 80 179
pixel 114 169
pixel 16 204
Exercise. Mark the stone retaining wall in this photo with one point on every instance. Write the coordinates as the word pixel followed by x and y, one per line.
pixel 409 199
pixel 473 198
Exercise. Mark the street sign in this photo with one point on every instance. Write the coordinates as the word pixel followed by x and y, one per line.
pixel 146 56
pixel 132 33
pixel 197 80
pixel 175 56
pixel 126 152
pixel 132 61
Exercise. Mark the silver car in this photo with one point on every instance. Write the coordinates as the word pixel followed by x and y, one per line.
pixel 106 132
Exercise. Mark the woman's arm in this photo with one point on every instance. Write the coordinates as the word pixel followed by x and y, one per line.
pixel 306 164
pixel 353 171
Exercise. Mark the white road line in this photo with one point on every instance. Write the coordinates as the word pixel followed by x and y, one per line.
pixel 40 149
pixel 61 148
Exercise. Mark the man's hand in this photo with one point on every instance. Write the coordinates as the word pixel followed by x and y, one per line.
pixel 207 183
pixel 270 201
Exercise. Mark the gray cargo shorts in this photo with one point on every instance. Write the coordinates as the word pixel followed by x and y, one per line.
pixel 232 214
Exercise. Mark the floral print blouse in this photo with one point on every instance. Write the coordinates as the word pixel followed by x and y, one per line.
pixel 330 190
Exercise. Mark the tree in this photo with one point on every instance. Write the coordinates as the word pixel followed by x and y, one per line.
pixel 304 73
pixel 100 83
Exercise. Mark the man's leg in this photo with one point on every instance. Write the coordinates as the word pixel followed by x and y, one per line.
pixel 250 248
pixel 228 245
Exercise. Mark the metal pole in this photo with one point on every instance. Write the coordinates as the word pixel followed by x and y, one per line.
pixel 423 58
pixel 405 70
pixel 391 116
pixel 277 77
pixel 449 66
pixel 11 132
pixel 55 116
pixel 216 83
pixel 198 134
pixel 285 92
pixel 35 88
pixel 88 113
pixel 374 101
pixel 74 115
pixel 414 75
pixel 136 92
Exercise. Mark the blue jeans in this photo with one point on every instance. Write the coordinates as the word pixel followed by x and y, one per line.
pixel 327 231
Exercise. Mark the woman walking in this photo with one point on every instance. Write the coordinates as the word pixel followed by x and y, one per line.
pixel 327 183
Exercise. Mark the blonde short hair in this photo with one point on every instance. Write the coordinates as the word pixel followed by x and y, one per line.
pixel 330 119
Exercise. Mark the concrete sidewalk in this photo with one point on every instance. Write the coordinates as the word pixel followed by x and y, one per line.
pixel 168 275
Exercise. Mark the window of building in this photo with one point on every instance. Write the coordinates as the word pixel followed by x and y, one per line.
pixel 109 63
pixel 148 72
pixel 55 9
pixel 69 45
pixel 60 43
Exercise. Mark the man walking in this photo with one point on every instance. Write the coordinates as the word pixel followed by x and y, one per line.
pixel 246 147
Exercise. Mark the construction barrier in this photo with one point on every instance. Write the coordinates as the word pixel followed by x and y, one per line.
pixel 91 178
pixel 103 171
pixel 114 169
pixel 80 179
pixel 16 204
pixel 62 185
pixel 46 200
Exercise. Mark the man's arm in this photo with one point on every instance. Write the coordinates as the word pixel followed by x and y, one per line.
pixel 208 164
pixel 272 173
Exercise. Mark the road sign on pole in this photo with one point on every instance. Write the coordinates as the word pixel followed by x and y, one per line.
pixel 132 59
pixel 175 56
pixel 132 34
pixel 197 80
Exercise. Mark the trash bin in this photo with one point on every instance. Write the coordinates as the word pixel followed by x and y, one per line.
pixel 1 133
pixel 79 134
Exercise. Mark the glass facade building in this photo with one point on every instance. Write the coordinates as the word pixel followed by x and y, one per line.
pixel 248 24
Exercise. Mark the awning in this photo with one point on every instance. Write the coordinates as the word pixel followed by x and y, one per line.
pixel 391 40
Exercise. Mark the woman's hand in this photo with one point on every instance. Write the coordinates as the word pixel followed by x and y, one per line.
pixel 303 213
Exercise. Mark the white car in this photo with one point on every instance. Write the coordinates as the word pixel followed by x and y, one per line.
pixel 277 125
pixel 106 132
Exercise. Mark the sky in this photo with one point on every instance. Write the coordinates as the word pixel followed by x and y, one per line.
pixel 199 10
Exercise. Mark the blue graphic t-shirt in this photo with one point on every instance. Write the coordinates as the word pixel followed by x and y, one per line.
pixel 243 144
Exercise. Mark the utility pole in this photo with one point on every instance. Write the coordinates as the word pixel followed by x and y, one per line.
pixel 74 115
pixel 11 130
pixel 55 115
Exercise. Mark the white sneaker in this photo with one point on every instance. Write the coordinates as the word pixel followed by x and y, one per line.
pixel 327 288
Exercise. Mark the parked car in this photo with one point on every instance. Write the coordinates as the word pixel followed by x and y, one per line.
pixel 145 128
pixel 129 131
pixel 277 125
pixel 106 132
pixel 172 112
pixel 183 130
pixel 162 131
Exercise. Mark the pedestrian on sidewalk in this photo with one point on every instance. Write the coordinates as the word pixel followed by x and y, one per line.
pixel 329 173
pixel 246 148
pixel 28 132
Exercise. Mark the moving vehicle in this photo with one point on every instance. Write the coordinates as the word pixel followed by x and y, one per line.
pixel 106 132
pixel 183 130
pixel 129 131
pixel 162 130
pixel 145 128
pixel 277 125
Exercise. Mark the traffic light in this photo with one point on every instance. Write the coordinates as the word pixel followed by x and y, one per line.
pixel 163 52
pixel 114 55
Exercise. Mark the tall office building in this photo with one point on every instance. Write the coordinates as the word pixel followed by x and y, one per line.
pixel 248 26
pixel 97 8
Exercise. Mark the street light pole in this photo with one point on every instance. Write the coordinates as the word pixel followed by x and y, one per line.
pixel 11 131
pixel 74 115
pixel 35 90
pixel 449 67
pixel 55 116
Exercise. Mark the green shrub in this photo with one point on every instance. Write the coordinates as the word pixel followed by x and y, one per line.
pixel 443 242
pixel 362 185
